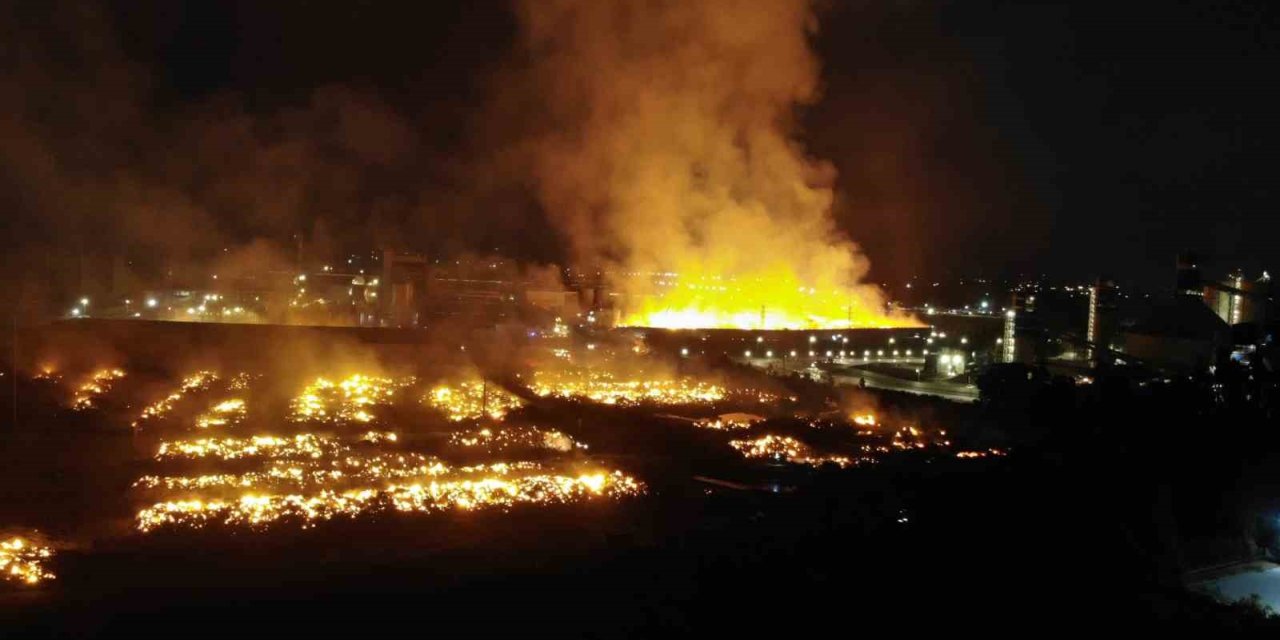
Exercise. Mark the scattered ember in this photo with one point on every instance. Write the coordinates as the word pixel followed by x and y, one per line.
pixel 981 454
pixel 240 381
pixel 728 422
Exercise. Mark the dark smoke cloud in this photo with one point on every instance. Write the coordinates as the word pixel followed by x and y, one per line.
pixel 101 165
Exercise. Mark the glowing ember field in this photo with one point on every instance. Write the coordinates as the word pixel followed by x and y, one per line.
pixel 24 561
pixel 246 451
pixel 240 479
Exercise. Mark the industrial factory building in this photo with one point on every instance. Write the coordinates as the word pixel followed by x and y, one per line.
pixel 1204 321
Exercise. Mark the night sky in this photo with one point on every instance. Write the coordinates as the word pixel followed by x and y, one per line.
pixel 996 138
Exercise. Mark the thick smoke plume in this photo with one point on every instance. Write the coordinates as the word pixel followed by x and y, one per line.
pixel 112 180
pixel 672 149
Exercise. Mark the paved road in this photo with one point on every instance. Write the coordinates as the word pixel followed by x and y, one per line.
pixel 949 390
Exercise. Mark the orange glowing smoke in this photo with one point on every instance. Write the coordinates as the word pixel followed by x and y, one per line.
pixel 671 160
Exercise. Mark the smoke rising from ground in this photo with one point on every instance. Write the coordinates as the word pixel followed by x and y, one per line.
pixel 651 136
pixel 671 146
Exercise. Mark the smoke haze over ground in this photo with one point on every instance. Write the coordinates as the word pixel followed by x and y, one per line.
pixel 159 134
pixel 671 146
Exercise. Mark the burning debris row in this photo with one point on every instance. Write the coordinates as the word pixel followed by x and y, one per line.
pixel 347 400
pixel 984 453
pixel 99 383
pixel 24 561
pixel 604 388
pixel 472 400
pixel 788 449
pixel 229 412
pixel 303 445
pixel 255 510
pixel 312 473
pixel 861 440
pixel 198 381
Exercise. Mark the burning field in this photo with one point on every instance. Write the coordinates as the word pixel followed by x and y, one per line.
pixel 261 451
pixel 347 471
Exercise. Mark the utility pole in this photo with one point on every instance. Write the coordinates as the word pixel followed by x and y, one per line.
pixel 484 397
pixel 14 371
